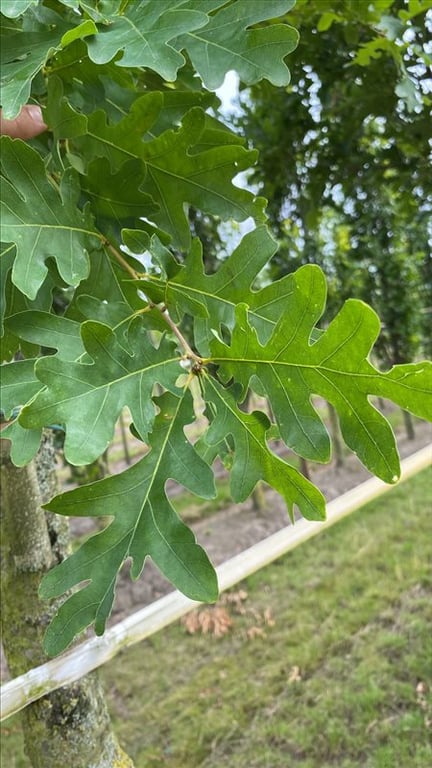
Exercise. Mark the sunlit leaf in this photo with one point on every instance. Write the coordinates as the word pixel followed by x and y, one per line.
pixel 227 43
pixel 142 33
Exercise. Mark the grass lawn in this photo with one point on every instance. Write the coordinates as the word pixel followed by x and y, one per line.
pixel 327 663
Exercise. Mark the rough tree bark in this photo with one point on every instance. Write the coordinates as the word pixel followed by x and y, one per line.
pixel 71 727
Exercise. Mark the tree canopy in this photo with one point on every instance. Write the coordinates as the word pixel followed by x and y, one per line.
pixel 345 157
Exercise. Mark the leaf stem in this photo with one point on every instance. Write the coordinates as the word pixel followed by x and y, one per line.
pixel 117 255
pixel 189 353
pixel 176 331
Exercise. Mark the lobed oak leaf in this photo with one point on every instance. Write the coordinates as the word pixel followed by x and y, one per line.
pixel 142 32
pixel 144 524
pixel 212 299
pixel 42 222
pixel 27 46
pixel 88 397
pixel 226 42
pixel 291 367
pixel 252 458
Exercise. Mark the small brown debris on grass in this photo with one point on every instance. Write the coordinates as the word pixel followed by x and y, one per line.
pixel 214 620
pixel 268 618
pixel 294 675
pixel 235 600
pixel 254 632
pixel 422 691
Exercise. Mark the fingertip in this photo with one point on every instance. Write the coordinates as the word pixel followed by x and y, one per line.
pixel 35 114
pixel 28 124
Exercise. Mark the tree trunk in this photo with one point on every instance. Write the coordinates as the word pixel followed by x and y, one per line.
pixel 69 728
pixel 124 440
pixel 304 468
pixel 409 425
pixel 258 498
pixel 336 435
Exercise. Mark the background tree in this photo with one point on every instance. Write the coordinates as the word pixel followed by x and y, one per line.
pixel 345 157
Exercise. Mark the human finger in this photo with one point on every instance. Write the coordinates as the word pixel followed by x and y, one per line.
pixel 26 125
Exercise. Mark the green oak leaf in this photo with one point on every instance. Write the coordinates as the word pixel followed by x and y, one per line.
pixel 104 288
pixel 290 369
pixel 164 263
pixel 176 174
pixel 88 398
pixel 252 458
pixel 374 49
pixel 94 8
pixel 76 81
pixel 14 8
pixel 18 385
pixel 109 298
pixel 175 104
pixel 112 314
pixel 68 119
pixel 24 442
pixel 119 198
pixel 161 263
pixel 42 222
pixel 63 120
pixel 193 164
pixel 144 525
pixel 26 48
pixel 48 330
pixel 142 33
pixel 12 302
pixel 219 293
pixel 211 299
pixel 8 253
pixel 227 43
pixel 406 90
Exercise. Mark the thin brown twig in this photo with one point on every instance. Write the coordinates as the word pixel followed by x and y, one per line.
pixel 117 255
pixel 188 350
pixel 189 353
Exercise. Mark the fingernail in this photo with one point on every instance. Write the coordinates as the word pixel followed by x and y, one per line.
pixel 35 113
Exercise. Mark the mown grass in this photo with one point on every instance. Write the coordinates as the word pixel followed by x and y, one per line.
pixel 342 678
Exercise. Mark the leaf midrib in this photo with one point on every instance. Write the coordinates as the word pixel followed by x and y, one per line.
pixel 316 367
pixel 93 389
